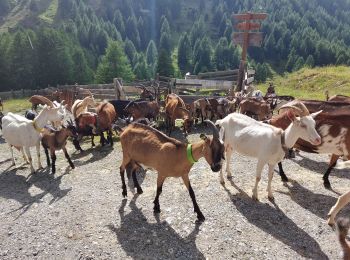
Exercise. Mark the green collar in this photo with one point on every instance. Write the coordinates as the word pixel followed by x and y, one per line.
pixel 189 154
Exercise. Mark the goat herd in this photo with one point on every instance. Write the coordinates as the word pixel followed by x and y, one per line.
pixel 307 125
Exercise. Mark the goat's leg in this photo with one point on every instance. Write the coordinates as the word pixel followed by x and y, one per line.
pixel 200 215
pixel 269 189
pixel 259 168
pixel 122 176
pixel 110 136
pixel 284 177
pixel 136 183
pixel 92 141
pixel 24 156
pixel 47 156
pixel 53 159
pixel 37 146
pixel 67 157
pixel 229 152
pixel 77 145
pixel 332 163
pixel 341 202
pixel 160 181
pixel 27 150
pixel 13 158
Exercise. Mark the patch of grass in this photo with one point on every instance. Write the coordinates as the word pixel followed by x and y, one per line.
pixel 16 105
pixel 312 83
pixel 50 13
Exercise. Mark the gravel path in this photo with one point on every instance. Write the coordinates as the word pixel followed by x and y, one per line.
pixel 81 214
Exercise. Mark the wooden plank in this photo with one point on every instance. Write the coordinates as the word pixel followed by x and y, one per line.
pixel 246 26
pixel 249 80
pixel 216 73
pixel 249 16
pixel 254 38
pixel 250 72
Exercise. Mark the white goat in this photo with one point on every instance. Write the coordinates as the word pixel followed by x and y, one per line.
pixel 21 132
pixel 264 142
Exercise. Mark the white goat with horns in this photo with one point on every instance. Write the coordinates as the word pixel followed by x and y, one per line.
pixel 20 132
pixel 265 142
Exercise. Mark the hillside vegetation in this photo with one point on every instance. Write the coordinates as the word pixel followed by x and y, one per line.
pixel 312 83
pixel 50 42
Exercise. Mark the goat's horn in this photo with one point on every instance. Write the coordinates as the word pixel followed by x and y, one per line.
pixel 213 127
pixel 296 109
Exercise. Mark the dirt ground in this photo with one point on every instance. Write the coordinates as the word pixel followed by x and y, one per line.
pixel 81 214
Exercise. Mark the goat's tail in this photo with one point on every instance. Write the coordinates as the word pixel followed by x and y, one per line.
pixel 342 165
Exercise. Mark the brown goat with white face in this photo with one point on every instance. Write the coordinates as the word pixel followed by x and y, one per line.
pixel 57 140
pixel 144 145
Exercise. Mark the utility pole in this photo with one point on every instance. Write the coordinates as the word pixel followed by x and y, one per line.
pixel 247 38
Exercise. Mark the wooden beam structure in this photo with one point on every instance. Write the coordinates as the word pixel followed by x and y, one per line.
pixel 247 38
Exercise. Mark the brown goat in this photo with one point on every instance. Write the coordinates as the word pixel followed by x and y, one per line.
pixel 57 140
pixel 144 145
pixel 252 106
pixel 339 98
pixel 142 109
pixel 175 108
pixel 342 230
pixel 202 106
pixel 333 129
pixel 39 100
pixel 90 124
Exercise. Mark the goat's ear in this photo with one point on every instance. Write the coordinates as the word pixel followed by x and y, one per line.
pixel 291 115
pixel 203 137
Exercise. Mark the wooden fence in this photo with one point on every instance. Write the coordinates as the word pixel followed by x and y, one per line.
pixel 190 88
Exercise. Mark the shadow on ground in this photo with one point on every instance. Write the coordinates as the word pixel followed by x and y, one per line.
pixel 140 239
pixel 16 187
pixel 96 153
pixel 318 204
pixel 274 222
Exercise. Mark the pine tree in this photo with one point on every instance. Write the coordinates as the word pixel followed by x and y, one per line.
pixel 310 62
pixel 132 31
pixel 82 74
pixel 23 59
pixel 184 54
pixel 165 66
pixel 55 65
pixel 151 53
pixel 114 64
pixel 130 51
pixel 141 70
pixel 118 22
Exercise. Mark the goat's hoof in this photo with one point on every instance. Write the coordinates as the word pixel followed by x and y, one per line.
pixel 72 166
pixel 284 178
pixel 222 182
pixel 139 190
pixel 229 177
pixel 271 198
pixel 330 222
pixel 124 193
pixel 255 198
pixel 327 185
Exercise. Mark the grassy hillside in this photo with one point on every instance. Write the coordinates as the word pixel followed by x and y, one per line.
pixel 312 83
pixel 50 13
